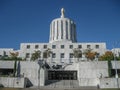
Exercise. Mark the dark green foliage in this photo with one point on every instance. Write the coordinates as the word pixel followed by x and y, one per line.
pixel 36 55
pixel 47 53
pixel 109 68
pixel 107 56
pixel 77 53
pixel 15 68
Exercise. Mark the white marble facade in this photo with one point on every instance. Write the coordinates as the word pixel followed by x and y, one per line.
pixel 60 50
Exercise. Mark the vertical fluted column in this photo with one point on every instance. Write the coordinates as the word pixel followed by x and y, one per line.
pixel 59 26
pixel 55 31
pixel 75 32
pixel 50 34
pixel 66 22
pixel 64 30
pixel 69 30
pixel 61 29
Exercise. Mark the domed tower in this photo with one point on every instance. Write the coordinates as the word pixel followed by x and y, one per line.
pixel 62 29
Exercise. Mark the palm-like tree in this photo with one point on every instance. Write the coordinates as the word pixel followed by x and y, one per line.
pixel 77 53
pixel 36 55
pixel 47 53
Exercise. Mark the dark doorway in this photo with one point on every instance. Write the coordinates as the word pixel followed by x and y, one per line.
pixel 62 75
pixel 113 72
pixel 6 71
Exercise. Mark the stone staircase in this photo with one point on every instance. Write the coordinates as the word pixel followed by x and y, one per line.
pixel 62 83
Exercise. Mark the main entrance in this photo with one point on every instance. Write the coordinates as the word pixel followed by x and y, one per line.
pixel 62 75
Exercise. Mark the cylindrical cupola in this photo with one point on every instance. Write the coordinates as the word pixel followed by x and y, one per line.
pixel 62 29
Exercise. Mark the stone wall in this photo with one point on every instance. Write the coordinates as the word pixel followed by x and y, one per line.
pixel 89 72
pixel 117 63
pixel 88 82
pixel 109 83
pixel 93 69
pixel 12 82
pixel 30 70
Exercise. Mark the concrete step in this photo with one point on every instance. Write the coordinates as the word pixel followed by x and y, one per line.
pixel 62 83
pixel 63 88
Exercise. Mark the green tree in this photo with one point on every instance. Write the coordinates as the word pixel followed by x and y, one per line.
pixel 14 55
pixel 89 54
pixel 77 53
pixel 107 56
pixel 47 53
pixel 36 55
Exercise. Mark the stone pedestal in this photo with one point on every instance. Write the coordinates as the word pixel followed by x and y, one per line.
pixel 42 77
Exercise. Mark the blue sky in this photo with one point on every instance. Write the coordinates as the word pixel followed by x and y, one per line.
pixel 29 20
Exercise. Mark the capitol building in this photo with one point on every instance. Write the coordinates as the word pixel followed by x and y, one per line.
pixel 62 41
pixel 61 68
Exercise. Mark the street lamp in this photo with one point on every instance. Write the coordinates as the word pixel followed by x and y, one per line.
pixel 114 54
pixel 116 73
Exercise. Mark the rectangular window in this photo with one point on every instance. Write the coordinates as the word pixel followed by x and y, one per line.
pixel 71 46
pixel 0 56
pixel 27 55
pixel 79 46
pixel 53 46
pixel 6 56
pixel 97 55
pixel 36 46
pixel 88 46
pixel 62 55
pixel 62 46
pixel 53 55
pixel 4 53
pixel 45 46
pixel 71 55
pixel 97 46
pixel 28 47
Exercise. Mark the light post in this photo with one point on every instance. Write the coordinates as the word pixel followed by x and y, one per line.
pixel 116 73
pixel 115 63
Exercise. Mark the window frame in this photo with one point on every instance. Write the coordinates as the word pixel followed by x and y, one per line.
pixel 36 46
pixel 27 46
pixel 62 55
pixel 88 46
pixel 45 46
pixel 62 46
pixel 97 46
pixel 53 55
pixel 71 54
pixel 27 55
pixel 53 46
pixel 79 46
pixel 71 46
